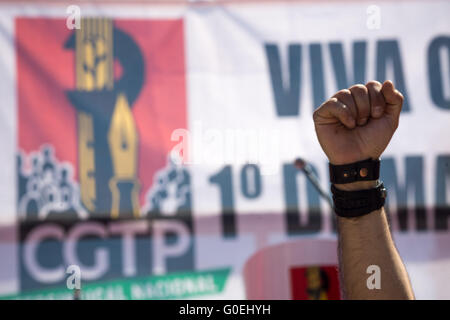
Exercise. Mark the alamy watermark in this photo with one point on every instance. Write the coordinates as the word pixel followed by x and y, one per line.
pixel 217 146
pixel 74 18
pixel 73 281
pixel 373 21
pixel 374 280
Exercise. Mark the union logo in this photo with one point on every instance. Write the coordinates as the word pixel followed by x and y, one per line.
pixel 97 106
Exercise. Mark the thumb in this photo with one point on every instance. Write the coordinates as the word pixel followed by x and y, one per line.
pixel 394 100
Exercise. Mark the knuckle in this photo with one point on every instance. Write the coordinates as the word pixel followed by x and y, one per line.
pixel 373 84
pixel 316 115
pixel 330 103
pixel 358 89
pixel 344 109
pixel 343 93
pixel 335 104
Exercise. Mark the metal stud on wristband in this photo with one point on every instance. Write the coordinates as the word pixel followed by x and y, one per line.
pixel 365 170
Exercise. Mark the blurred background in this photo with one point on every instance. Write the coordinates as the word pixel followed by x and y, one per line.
pixel 148 147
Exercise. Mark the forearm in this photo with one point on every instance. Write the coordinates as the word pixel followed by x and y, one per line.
pixel 354 128
pixel 366 241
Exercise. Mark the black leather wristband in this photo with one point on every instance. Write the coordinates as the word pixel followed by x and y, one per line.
pixel 350 204
pixel 365 170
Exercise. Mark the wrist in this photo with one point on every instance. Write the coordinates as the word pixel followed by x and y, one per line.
pixel 357 199
pixel 358 185
pixel 355 176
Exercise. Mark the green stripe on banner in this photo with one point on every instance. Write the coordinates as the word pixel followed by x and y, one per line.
pixel 170 286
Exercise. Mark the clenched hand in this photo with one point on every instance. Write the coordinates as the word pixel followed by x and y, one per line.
pixel 357 123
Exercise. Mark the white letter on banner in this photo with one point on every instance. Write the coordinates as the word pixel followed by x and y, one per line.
pixel 128 230
pixel 101 255
pixel 160 250
pixel 31 244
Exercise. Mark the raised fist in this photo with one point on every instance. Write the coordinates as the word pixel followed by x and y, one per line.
pixel 357 123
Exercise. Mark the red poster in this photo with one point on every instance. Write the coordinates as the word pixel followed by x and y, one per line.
pixel 96 110
pixel 315 283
